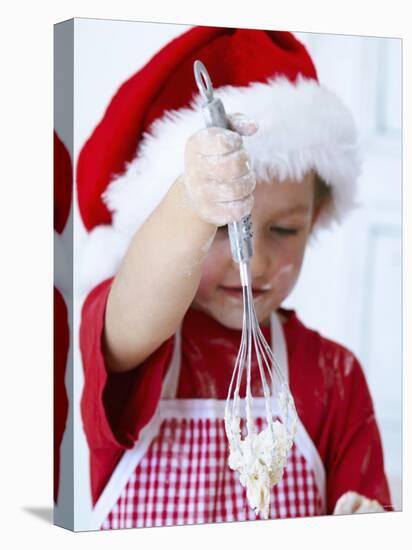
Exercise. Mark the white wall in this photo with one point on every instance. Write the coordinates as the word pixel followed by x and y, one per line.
pixel 358 286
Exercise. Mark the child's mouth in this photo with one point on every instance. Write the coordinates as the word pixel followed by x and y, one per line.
pixel 237 292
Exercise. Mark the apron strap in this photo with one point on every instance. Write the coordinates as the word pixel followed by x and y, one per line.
pixel 303 440
pixel 171 380
pixel 122 473
pixel 131 457
pixel 279 348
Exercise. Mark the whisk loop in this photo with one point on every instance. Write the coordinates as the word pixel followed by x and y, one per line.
pixel 260 458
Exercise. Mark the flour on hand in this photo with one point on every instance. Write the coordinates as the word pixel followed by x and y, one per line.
pixel 354 503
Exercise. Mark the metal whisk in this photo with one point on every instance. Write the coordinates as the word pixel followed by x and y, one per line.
pixel 259 458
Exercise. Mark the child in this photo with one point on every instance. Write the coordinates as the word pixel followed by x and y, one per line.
pixel 159 340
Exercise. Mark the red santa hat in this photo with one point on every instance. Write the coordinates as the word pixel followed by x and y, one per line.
pixel 137 150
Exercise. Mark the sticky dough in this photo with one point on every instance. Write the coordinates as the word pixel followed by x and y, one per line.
pixel 259 458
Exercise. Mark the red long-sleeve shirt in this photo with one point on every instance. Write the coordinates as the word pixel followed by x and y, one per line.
pixel 326 380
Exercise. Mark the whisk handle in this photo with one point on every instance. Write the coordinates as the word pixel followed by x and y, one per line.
pixel 240 233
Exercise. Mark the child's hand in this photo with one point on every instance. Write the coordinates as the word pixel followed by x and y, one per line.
pixel 218 177
pixel 354 503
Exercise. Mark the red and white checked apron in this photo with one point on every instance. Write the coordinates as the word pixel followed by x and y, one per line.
pixel 177 473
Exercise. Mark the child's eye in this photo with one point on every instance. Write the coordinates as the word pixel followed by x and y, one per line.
pixel 284 231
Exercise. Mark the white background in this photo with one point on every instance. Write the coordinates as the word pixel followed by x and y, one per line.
pixel 26 299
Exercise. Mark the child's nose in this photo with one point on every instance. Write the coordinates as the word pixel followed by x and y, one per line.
pixel 260 262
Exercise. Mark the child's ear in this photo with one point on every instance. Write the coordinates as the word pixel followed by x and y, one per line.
pixel 317 208
pixel 322 197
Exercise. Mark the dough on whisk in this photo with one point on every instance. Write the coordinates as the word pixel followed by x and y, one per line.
pixel 260 458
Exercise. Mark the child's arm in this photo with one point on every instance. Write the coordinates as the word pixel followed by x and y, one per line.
pixel 161 270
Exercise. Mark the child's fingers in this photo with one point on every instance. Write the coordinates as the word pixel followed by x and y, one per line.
pixel 213 141
pixel 242 124
pixel 224 212
pixel 218 175
pixel 354 503
pixel 344 504
pixel 234 190
pixel 224 168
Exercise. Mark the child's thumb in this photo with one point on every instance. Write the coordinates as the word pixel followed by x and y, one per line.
pixel 242 124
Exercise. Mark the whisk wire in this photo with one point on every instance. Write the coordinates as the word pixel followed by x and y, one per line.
pixel 272 378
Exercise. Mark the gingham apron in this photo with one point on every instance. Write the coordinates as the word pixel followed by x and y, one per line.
pixel 177 473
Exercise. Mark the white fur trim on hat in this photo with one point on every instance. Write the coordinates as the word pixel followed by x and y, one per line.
pixel 302 126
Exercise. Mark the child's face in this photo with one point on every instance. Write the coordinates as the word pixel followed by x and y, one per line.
pixel 282 218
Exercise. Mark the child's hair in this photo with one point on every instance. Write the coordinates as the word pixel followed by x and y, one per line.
pixel 323 192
